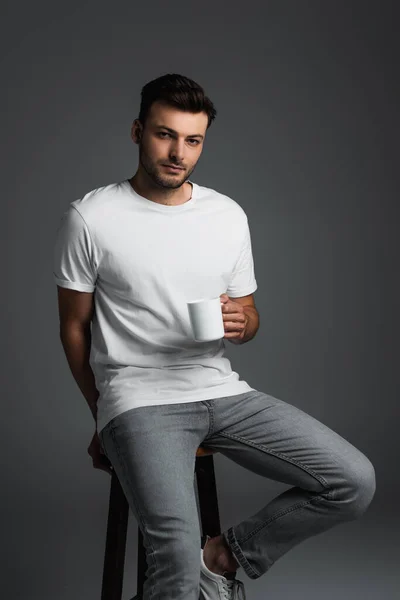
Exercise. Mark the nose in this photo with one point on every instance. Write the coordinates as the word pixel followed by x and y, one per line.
pixel 176 152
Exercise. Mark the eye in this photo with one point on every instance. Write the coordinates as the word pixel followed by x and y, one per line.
pixel 164 134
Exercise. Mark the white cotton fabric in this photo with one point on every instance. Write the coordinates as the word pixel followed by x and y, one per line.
pixel 144 261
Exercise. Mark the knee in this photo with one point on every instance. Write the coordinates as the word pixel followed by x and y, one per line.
pixel 360 485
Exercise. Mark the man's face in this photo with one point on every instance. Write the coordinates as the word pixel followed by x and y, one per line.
pixel 170 137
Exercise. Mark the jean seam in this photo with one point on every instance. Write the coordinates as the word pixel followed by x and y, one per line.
pixel 288 459
pixel 315 499
pixel 210 408
pixel 236 550
pixel 122 462
pixel 234 542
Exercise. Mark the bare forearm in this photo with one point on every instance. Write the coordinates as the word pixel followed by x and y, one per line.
pixel 76 343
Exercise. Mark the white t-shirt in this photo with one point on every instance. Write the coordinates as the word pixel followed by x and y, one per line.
pixel 144 261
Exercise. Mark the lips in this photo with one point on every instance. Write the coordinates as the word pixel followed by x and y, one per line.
pixel 174 167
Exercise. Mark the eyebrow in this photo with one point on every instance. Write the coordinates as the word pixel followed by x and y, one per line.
pixel 173 131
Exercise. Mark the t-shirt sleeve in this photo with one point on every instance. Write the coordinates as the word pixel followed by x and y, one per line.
pixel 243 281
pixel 73 263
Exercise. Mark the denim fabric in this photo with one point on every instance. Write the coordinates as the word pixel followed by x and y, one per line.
pixel 152 450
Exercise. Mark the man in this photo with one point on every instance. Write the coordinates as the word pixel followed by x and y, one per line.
pixel 128 258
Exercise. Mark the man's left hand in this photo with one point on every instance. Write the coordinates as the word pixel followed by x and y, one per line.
pixel 234 317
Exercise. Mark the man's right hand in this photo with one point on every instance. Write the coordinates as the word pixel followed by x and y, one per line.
pixel 100 460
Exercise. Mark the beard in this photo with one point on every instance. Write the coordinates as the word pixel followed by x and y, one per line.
pixel 161 179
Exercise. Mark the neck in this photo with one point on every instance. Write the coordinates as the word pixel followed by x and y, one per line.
pixel 167 196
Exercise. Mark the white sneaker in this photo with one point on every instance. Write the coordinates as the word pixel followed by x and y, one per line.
pixel 218 587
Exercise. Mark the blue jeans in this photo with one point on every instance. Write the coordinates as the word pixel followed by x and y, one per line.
pixel 152 449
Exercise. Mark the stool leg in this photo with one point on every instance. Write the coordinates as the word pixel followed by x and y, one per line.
pixel 208 498
pixel 141 565
pixel 117 525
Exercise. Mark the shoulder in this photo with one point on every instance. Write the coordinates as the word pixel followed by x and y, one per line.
pixel 222 201
pixel 97 207
pixel 96 198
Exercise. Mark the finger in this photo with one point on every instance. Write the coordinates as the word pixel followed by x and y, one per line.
pixel 104 460
pixel 231 326
pixel 100 459
pixel 235 317
pixel 233 334
pixel 108 468
pixel 230 307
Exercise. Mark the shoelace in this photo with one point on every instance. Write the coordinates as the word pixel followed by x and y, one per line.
pixel 233 589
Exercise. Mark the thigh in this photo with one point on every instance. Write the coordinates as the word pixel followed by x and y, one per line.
pixel 154 461
pixel 278 440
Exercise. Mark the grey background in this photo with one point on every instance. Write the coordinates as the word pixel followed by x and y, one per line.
pixel 306 140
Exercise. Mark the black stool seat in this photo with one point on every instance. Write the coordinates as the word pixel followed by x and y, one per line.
pixel 117 526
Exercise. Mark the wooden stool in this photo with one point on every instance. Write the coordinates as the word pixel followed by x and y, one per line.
pixel 117 526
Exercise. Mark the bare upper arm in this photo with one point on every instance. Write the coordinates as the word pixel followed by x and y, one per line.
pixel 75 308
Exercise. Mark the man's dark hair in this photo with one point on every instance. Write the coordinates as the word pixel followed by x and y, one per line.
pixel 177 91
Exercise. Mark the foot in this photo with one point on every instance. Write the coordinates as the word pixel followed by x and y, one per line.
pixel 218 557
pixel 220 583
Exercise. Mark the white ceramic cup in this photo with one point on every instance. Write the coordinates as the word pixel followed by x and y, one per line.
pixel 206 319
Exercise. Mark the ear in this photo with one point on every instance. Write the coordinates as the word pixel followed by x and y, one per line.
pixel 136 131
